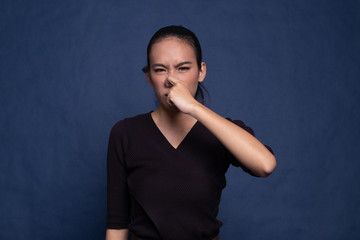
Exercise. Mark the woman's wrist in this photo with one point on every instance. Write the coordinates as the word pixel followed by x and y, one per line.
pixel 196 109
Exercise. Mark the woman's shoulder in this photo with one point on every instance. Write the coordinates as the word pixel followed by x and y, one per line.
pixel 241 124
pixel 131 122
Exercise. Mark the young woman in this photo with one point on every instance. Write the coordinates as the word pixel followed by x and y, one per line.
pixel 166 168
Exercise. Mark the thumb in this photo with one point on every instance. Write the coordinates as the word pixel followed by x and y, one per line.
pixel 168 83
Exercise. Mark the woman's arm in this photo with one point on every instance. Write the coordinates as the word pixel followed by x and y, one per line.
pixel 118 203
pixel 117 234
pixel 249 151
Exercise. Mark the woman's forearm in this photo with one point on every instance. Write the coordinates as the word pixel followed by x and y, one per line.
pixel 249 151
pixel 117 234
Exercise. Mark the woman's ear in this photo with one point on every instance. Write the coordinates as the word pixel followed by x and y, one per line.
pixel 148 77
pixel 202 72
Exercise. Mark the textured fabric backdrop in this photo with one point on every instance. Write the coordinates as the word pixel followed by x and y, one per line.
pixel 289 69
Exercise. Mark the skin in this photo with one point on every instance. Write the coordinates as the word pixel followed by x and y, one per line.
pixel 117 234
pixel 174 75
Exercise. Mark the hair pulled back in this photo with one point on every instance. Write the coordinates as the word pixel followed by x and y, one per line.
pixel 185 35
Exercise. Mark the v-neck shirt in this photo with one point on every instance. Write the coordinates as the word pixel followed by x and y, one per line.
pixel 162 192
pixel 166 139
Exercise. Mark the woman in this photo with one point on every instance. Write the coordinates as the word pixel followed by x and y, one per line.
pixel 166 168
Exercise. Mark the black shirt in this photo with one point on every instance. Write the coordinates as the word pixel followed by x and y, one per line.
pixel 160 192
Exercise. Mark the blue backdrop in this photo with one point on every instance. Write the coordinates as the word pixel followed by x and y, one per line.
pixel 290 69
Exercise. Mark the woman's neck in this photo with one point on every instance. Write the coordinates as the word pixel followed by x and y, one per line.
pixel 174 119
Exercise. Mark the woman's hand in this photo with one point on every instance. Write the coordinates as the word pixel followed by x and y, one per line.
pixel 180 96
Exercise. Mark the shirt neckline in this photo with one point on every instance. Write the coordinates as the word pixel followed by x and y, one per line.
pixel 157 129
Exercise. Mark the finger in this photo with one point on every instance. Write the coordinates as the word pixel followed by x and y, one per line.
pixel 168 84
pixel 169 101
pixel 173 80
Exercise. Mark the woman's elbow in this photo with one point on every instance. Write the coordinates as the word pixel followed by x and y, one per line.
pixel 268 167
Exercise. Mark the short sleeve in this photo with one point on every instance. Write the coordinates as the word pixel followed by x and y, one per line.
pixel 231 158
pixel 118 203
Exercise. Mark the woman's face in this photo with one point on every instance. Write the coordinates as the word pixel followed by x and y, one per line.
pixel 176 58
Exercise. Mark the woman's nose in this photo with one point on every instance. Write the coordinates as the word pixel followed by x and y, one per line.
pixel 168 84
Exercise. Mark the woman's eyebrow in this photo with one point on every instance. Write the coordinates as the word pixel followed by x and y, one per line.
pixel 159 65
pixel 176 66
pixel 182 63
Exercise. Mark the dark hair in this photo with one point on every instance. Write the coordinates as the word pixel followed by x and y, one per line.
pixel 186 35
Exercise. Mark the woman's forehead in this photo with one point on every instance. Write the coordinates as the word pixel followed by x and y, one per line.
pixel 172 47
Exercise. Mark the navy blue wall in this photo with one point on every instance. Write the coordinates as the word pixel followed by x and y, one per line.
pixel 290 69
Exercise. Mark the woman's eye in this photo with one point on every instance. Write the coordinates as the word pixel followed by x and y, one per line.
pixel 183 68
pixel 159 70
